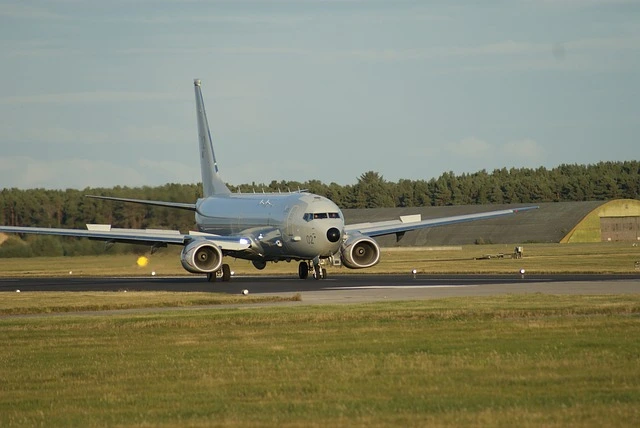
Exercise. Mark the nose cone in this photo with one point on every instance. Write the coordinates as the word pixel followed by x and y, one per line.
pixel 333 234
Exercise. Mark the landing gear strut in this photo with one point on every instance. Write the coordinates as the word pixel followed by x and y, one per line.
pixel 319 272
pixel 224 273
pixel 314 266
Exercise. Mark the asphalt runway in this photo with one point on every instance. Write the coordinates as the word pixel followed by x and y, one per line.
pixel 346 288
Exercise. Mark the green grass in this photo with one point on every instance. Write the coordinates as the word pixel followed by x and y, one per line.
pixel 498 361
pixel 539 258
pixel 56 302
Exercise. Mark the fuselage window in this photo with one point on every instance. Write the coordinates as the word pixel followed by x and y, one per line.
pixel 320 215
pixel 334 215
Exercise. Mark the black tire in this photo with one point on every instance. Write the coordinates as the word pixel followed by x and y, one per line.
pixel 324 273
pixel 318 272
pixel 226 272
pixel 303 270
pixel 211 277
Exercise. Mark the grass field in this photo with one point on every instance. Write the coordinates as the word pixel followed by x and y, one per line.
pixel 539 258
pixel 61 302
pixel 530 360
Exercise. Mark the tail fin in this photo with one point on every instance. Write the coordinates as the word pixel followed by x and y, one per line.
pixel 212 184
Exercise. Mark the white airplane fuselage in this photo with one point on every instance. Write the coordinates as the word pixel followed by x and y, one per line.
pixel 283 226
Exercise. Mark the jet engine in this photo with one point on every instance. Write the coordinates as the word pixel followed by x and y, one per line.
pixel 359 251
pixel 201 257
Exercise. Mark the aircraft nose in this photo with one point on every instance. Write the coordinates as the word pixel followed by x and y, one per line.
pixel 333 234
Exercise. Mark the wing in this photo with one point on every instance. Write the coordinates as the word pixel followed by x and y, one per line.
pixel 180 205
pixel 154 237
pixel 412 222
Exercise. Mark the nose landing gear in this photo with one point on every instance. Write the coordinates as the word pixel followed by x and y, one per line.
pixel 314 266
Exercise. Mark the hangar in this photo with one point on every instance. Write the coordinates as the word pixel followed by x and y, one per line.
pixel 590 221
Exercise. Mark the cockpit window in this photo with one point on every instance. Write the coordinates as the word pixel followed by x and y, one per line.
pixel 319 216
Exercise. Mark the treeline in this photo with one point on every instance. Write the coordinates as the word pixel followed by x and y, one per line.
pixel 70 209
pixel 602 181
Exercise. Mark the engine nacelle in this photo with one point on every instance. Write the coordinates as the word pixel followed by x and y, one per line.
pixel 201 257
pixel 359 251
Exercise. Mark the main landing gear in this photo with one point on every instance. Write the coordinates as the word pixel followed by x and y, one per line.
pixel 224 273
pixel 314 266
pixel 304 268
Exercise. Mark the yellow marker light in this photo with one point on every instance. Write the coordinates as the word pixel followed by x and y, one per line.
pixel 142 261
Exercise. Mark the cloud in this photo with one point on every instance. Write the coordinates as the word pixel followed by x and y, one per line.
pixel 506 47
pixel 266 19
pixel 155 134
pixel 169 171
pixel 36 48
pixel 524 149
pixel 22 11
pixel 90 97
pixel 605 43
pixel 158 134
pixel 524 152
pixel 26 172
pixel 291 17
pixel 582 54
pixel 471 147
pixel 58 135
pixel 502 48
pixel 581 3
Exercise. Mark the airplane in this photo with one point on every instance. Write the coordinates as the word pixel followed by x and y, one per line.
pixel 259 227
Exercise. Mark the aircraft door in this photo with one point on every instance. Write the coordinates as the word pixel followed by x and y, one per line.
pixel 292 228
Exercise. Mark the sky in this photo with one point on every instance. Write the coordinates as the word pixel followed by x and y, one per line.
pixel 100 93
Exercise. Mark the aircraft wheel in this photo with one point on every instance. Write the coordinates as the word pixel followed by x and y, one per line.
pixel 317 272
pixel 226 272
pixel 324 273
pixel 303 270
pixel 211 277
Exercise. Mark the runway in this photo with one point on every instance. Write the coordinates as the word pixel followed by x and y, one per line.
pixel 346 288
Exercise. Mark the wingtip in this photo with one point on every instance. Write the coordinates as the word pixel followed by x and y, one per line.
pixel 533 207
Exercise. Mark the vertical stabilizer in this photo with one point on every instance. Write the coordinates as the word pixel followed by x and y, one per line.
pixel 212 184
